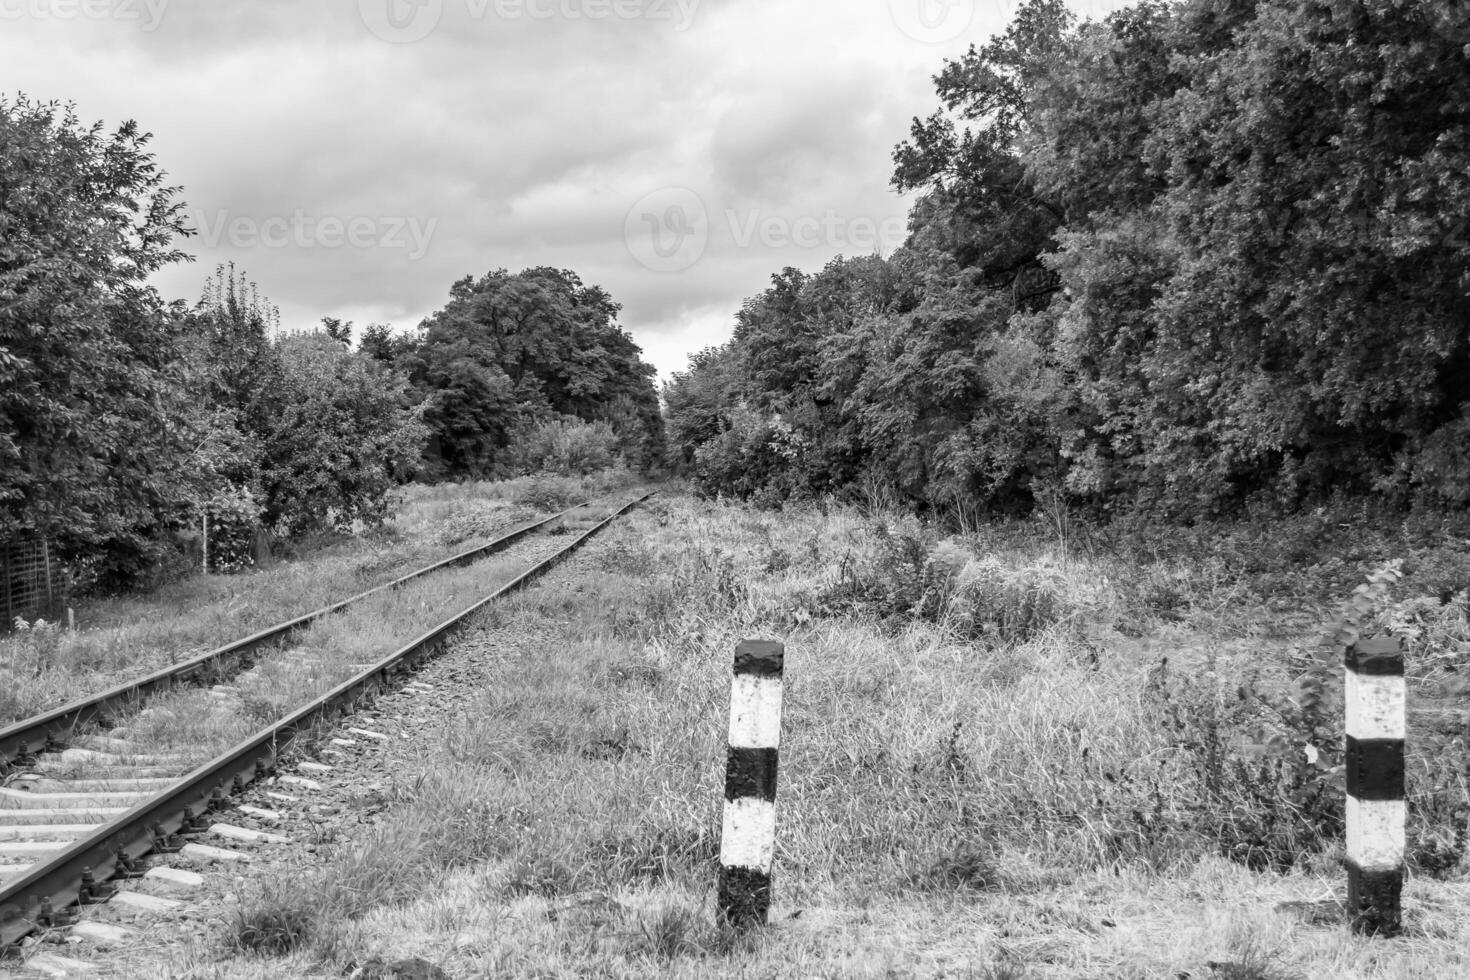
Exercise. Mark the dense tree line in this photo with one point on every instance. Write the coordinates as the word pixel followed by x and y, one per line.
pixel 128 423
pixel 1193 254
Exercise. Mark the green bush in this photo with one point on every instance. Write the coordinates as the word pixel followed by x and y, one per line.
pixel 564 447
pixel 991 599
pixel 234 520
pixel 548 493
pixel 1256 766
pixel 911 575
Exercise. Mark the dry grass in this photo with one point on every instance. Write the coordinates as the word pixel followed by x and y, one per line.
pixel 196 725
pixel 44 666
pixel 976 777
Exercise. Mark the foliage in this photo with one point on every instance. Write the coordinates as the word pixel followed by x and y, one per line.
pixel 548 493
pixel 297 433
pixel 234 521
pixel 510 351
pixel 913 574
pixel 1267 767
pixel 340 435
pixel 87 443
pixel 1183 259
pixel 124 422
pixel 565 447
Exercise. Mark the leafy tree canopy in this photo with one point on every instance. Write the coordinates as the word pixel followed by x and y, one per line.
pixel 1186 255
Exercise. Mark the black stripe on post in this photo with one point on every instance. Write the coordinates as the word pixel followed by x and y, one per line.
pixel 1375 900
pixel 744 896
pixel 1375 768
pixel 751 773
pixel 761 658
pixel 748 829
pixel 1373 743
pixel 1378 657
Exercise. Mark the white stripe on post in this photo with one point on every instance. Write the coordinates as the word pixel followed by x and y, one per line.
pixel 748 834
pixel 748 829
pixel 1375 701
pixel 755 712
pixel 1375 705
pixel 1375 832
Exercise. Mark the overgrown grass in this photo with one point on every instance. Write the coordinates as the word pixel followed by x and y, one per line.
pixel 43 665
pixel 988 768
pixel 196 724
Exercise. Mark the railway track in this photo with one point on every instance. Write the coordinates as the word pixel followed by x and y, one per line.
pixel 80 809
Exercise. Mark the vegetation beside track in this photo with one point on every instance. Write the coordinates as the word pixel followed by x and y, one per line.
pixel 45 665
pixel 987 767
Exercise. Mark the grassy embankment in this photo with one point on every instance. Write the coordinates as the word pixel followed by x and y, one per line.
pixel 987 769
pixel 43 665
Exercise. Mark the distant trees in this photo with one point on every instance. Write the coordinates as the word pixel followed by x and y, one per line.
pixel 339 433
pixel 125 422
pixel 511 352
pixel 302 432
pixel 1249 223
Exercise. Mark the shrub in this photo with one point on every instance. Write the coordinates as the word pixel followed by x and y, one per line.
pixel 565 447
pixel 548 493
pixel 339 433
pixel 756 457
pixel 910 575
pixel 1240 773
pixel 234 520
pixel 990 599
pixel 1258 769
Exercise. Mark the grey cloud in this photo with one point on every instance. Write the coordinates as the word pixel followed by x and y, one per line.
pixel 526 141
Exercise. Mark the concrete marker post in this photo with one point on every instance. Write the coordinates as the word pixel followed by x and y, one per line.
pixel 748 831
pixel 1375 699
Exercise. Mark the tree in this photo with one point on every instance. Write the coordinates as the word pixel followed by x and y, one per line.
pixel 87 379
pixel 510 351
pixel 1177 258
pixel 340 435
pixel 982 206
pixel 381 344
pixel 338 330
pixel 1319 182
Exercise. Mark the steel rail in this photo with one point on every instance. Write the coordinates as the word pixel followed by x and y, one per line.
pixel 34 734
pixel 115 846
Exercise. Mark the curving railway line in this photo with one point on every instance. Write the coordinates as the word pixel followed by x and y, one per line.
pixel 62 838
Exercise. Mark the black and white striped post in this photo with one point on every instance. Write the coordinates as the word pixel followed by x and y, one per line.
pixel 748 832
pixel 1375 697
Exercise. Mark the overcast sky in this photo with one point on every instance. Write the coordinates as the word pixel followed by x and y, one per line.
pixel 356 157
